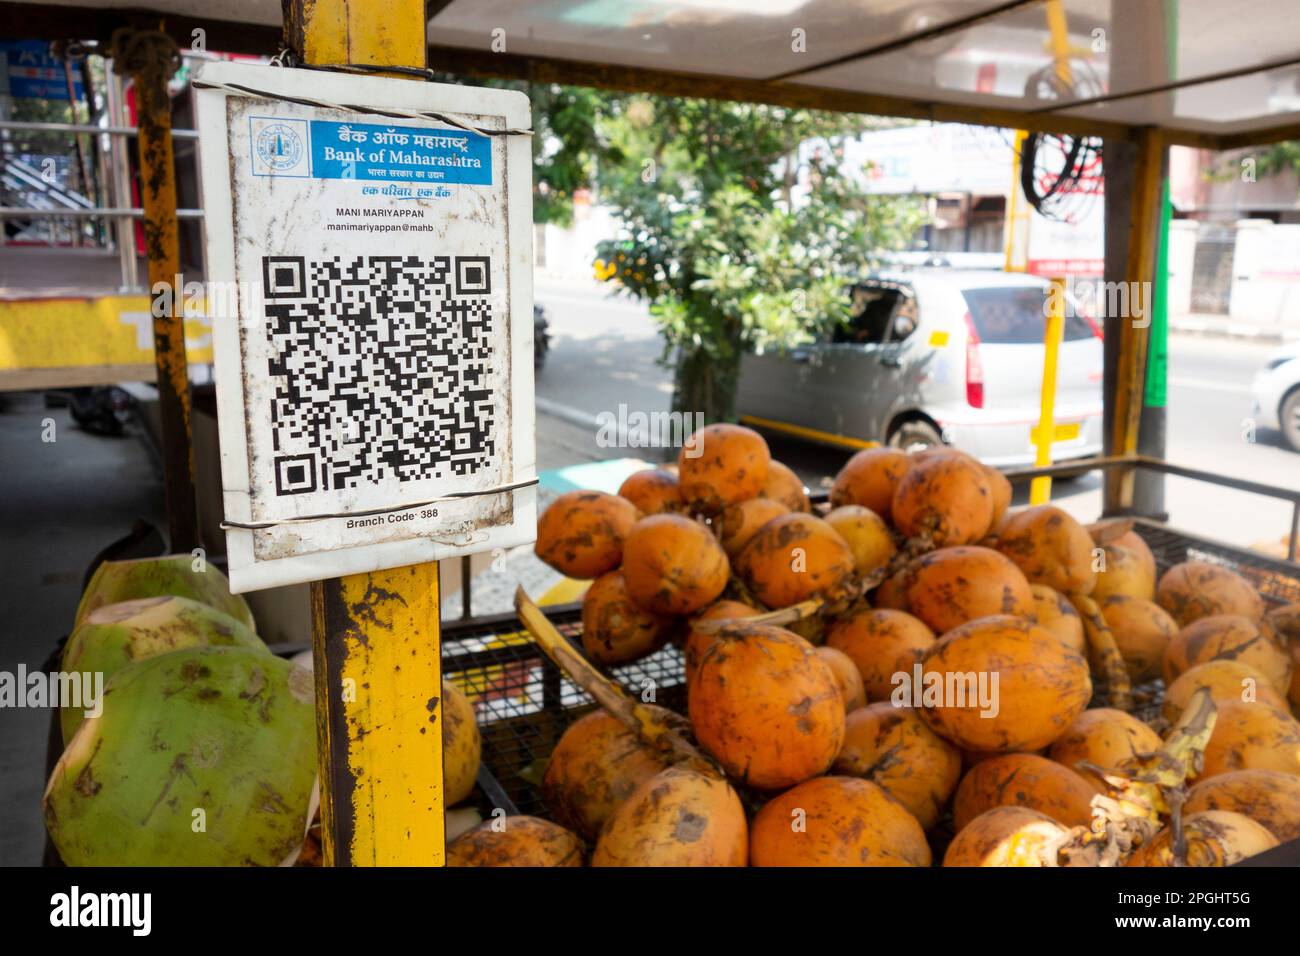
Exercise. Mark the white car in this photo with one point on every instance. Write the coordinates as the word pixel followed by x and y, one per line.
pixel 936 356
pixel 1277 393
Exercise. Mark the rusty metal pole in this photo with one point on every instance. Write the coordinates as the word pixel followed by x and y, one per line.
pixel 376 636
pixel 151 58
pixel 1134 329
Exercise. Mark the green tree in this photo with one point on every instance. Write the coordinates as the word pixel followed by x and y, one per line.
pixel 1278 158
pixel 567 148
pixel 1269 160
pixel 716 239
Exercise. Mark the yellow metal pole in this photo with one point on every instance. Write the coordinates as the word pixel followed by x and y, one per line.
pixel 1040 489
pixel 1011 261
pixel 151 58
pixel 375 636
pixel 1059 42
pixel 1134 328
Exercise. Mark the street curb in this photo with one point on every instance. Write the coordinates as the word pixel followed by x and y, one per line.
pixel 1228 329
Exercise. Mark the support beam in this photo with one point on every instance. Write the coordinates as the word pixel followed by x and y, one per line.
pixel 47 21
pixel 152 58
pixel 1128 334
pixel 375 636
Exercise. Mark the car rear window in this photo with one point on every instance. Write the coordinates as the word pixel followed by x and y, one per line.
pixel 1014 315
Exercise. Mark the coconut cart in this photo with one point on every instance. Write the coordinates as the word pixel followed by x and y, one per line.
pixel 879 66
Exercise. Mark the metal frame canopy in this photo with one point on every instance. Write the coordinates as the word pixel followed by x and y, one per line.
pixel 1236 81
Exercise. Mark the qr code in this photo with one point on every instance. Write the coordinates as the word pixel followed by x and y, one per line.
pixel 380 367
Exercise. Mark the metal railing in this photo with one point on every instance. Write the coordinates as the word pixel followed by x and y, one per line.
pixel 88 212
pixel 1116 462
pixel 117 166
pixel 34 127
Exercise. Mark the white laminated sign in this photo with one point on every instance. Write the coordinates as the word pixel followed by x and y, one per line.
pixel 369 269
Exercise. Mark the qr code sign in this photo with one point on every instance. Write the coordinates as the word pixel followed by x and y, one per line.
pixel 380 369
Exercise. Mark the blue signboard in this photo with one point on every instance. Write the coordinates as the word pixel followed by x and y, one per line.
pixel 34 74
pixel 406 153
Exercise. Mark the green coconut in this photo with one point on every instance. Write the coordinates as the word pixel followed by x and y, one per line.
pixel 174 575
pixel 115 635
pixel 202 757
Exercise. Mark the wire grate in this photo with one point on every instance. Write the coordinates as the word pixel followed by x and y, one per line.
pixel 1278 581
pixel 524 703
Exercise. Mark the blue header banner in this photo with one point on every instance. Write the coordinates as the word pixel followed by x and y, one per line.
pixel 34 74
pixel 402 153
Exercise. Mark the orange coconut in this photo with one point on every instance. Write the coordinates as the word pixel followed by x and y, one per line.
pixel 893 748
pixel 766 706
pixel 836 821
pixel 1126 567
pixel 515 841
pixel 1196 589
pixel 678 817
pixel 951 586
pixel 1006 836
pixel 882 643
pixel 615 629
pixel 1270 798
pixel 1210 838
pixel 1106 738
pixel 867 535
pixel 1050 547
pixel 1252 737
pixel 946 498
pixel 1226 680
pixel 1228 637
pixel 1023 780
pixel 698 641
pixel 596 765
pixel 785 486
pixel 870 479
pixel 721 464
pixel 1142 631
pixel 738 523
pixel 652 490
pixel 1002 494
pixel 1054 612
pixel 1041 685
pixel 673 565
pixel 581 533
pixel 846 676
pixel 795 557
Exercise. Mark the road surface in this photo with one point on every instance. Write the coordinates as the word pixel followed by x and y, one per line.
pixel 604 354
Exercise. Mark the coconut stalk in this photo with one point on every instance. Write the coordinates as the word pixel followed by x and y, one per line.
pixel 1107 530
pixel 804 610
pixel 1142 793
pixel 648 727
pixel 1103 653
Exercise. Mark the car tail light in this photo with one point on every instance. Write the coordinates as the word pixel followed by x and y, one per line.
pixel 974 367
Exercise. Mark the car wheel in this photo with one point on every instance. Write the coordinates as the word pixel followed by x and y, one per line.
pixel 1289 418
pixel 915 436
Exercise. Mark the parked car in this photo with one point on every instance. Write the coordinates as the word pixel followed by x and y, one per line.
pixel 1277 393
pixel 936 356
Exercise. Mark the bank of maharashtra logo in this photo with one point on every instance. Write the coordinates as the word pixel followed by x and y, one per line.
pixel 279 146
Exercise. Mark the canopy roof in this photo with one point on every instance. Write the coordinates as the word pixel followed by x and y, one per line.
pixel 1213 73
